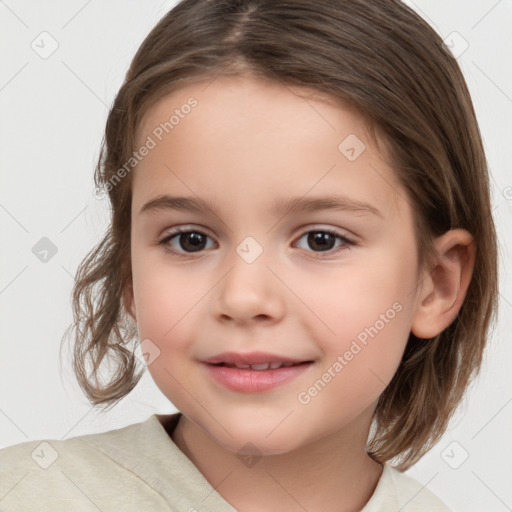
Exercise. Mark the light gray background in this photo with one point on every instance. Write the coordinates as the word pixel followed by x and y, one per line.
pixel 53 112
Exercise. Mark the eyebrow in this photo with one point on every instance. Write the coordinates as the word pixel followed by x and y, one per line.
pixel 280 207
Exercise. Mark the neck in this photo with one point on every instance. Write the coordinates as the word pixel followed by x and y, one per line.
pixel 333 473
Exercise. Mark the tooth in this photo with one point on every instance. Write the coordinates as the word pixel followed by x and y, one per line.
pixel 261 366
pixel 273 366
pixel 242 366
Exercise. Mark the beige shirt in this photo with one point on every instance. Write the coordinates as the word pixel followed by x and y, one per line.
pixel 139 468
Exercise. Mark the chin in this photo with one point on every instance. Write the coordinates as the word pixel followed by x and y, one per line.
pixel 244 446
pixel 251 438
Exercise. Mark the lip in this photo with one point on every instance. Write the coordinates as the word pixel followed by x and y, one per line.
pixel 253 381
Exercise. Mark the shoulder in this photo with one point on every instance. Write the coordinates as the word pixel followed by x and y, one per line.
pixel 80 472
pixel 43 454
pixel 415 495
pixel 398 491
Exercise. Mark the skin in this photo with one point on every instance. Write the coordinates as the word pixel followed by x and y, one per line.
pixel 247 143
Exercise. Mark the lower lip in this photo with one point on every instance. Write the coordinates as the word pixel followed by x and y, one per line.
pixel 254 381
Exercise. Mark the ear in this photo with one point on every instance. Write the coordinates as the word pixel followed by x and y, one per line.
pixel 444 288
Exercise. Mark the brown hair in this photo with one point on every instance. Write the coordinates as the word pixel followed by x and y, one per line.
pixel 388 63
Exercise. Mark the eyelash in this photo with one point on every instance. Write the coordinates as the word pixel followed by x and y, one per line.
pixel 346 242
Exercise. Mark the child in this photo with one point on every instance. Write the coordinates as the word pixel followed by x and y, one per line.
pixel 327 157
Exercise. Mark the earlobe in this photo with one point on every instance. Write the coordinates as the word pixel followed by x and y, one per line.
pixel 444 288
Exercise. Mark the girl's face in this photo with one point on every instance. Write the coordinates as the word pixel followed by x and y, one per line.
pixel 330 283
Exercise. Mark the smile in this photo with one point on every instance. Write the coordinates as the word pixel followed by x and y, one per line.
pixel 255 378
pixel 261 366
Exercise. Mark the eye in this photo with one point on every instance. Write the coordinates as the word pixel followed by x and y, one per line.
pixel 191 241
pixel 324 240
pixel 183 242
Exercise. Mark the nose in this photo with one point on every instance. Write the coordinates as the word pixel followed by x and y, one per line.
pixel 248 293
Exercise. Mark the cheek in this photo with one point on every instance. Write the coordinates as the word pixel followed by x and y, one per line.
pixel 359 362
pixel 164 303
pixel 163 299
pixel 366 314
pixel 360 296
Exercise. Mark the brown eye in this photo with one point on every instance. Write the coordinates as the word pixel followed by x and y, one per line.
pixel 323 240
pixel 183 242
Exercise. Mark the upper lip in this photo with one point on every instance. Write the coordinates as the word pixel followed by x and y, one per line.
pixel 251 358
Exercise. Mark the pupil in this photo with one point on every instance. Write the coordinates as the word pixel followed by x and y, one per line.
pixel 195 241
pixel 321 240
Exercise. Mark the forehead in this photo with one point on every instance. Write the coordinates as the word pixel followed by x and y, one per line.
pixel 248 132
pixel 249 94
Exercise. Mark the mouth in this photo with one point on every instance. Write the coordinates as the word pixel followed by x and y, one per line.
pixel 254 372
pixel 254 360
pixel 261 366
